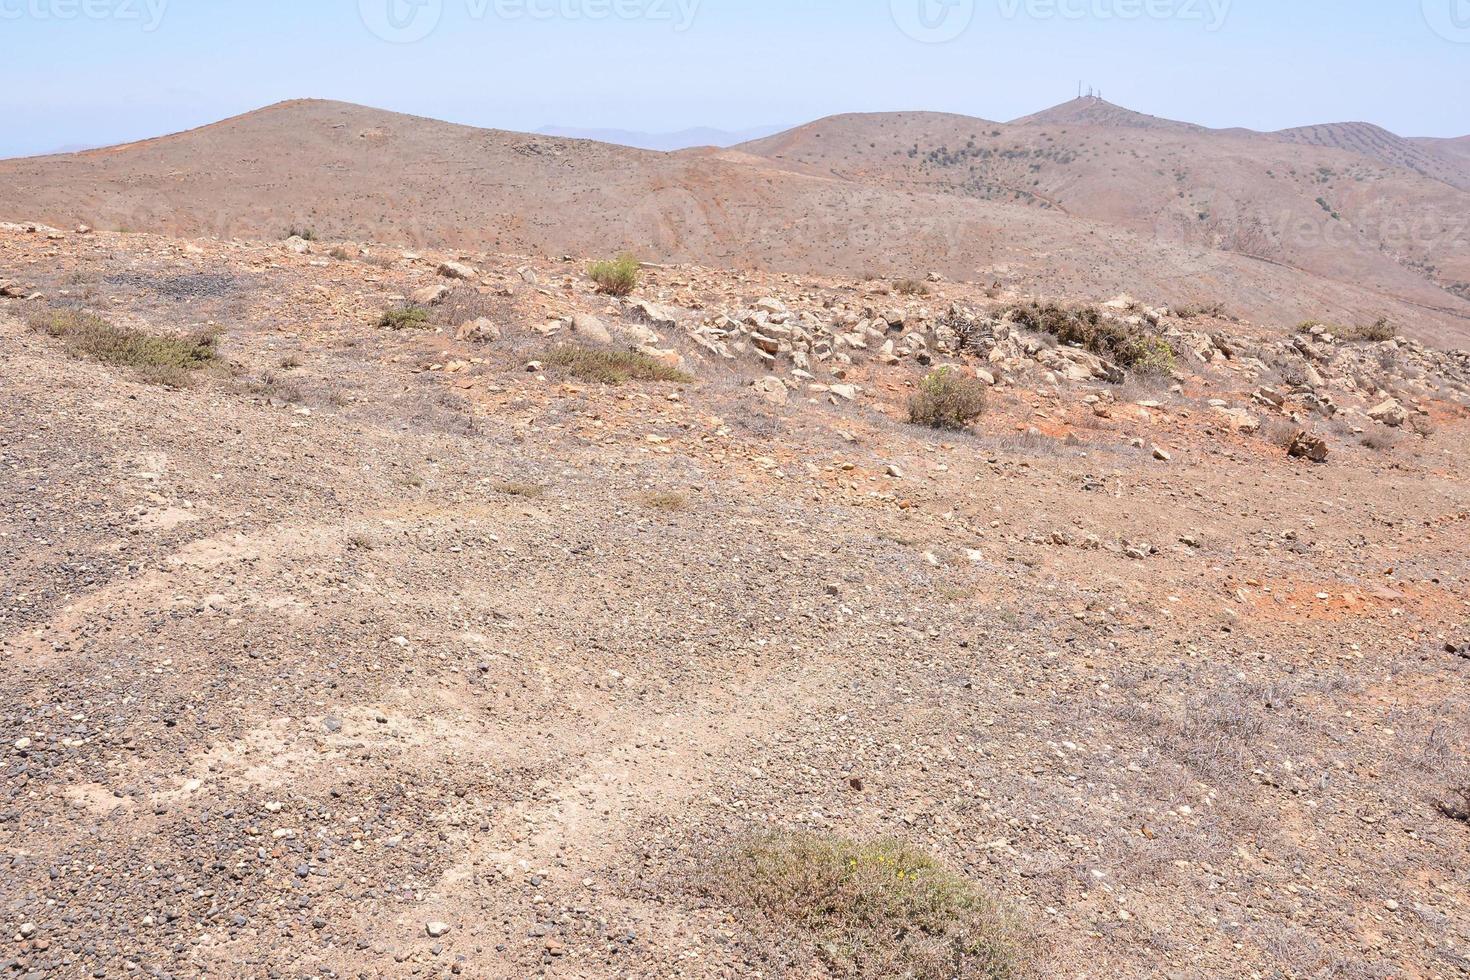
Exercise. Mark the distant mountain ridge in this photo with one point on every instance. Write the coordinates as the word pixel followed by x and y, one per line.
pixel 683 139
pixel 1084 201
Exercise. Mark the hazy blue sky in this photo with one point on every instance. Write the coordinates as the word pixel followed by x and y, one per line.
pixel 103 71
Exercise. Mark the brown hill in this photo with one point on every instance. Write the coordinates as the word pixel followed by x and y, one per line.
pixel 1376 143
pixel 1337 201
pixel 1095 111
pixel 1164 214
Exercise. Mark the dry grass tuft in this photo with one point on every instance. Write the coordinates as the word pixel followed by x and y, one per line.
pixel 911 287
pixel 1192 311
pixel 1380 438
pixel 615 277
pixel 511 488
pixel 875 910
pixel 613 367
pixel 947 399
pixel 668 502
pixel 158 359
pixel 1280 431
pixel 1376 332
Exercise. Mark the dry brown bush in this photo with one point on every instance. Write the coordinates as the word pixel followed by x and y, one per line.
pixel 874 910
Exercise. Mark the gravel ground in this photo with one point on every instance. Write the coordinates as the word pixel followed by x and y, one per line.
pixel 326 648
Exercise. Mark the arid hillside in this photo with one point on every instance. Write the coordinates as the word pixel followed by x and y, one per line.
pixel 383 611
pixel 1159 211
pixel 1352 203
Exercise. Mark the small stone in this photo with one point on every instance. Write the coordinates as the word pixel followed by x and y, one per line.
pixel 1309 447
pixel 436 929
pixel 430 295
pixel 590 328
pixel 457 270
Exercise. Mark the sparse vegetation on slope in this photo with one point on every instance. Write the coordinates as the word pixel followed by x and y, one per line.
pixel 405 318
pixel 947 399
pixel 876 910
pixel 1376 332
pixel 1131 347
pixel 158 359
pixel 615 277
pixel 613 367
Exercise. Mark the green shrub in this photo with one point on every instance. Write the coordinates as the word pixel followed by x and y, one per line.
pixel 158 359
pixel 947 399
pixel 405 318
pixel 613 367
pixel 1131 347
pixel 875 910
pixel 1148 355
pixel 615 277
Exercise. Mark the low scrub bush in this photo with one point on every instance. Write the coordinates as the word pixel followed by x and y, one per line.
pixel 875 910
pixel 1129 346
pixel 911 287
pixel 1376 332
pixel 158 359
pixel 613 367
pixel 1191 311
pixel 947 399
pixel 405 318
pixel 615 277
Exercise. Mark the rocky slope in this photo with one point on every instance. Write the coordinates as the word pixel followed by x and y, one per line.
pixel 408 652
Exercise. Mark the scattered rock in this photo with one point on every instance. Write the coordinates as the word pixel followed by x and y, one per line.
pixel 457 270
pixel 430 295
pixel 591 329
pixel 1389 413
pixel 481 331
pixel 772 389
pixel 1309 447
